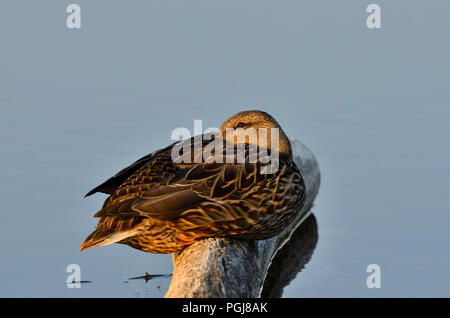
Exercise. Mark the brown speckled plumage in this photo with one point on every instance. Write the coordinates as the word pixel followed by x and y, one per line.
pixel 159 206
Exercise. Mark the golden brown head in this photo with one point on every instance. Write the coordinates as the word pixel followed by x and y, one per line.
pixel 262 123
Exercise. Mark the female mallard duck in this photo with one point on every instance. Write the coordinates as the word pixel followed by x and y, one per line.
pixel 161 205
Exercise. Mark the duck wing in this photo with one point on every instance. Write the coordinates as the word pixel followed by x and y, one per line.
pixel 186 189
pixel 110 185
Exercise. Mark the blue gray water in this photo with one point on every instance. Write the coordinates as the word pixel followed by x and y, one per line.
pixel 373 105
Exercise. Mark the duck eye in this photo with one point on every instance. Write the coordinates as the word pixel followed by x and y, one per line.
pixel 240 125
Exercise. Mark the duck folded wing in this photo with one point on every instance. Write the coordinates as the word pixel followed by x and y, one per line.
pixel 110 185
pixel 188 189
pixel 164 203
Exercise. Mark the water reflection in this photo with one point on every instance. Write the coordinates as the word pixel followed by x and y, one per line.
pixel 148 276
pixel 291 258
pixel 148 285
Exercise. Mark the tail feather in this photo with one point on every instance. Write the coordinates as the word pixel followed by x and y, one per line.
pixel 99 239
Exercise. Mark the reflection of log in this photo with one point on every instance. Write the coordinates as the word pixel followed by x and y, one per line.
pixel 291 258
pixel 225 267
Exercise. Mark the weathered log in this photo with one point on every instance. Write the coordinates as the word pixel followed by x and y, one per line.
pixel 226 267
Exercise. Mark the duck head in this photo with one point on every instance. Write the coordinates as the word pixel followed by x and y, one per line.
pixel 255 126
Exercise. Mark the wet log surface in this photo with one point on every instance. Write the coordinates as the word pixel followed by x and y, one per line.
pixel 235 268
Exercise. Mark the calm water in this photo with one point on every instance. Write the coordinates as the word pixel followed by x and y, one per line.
pixel 373 105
